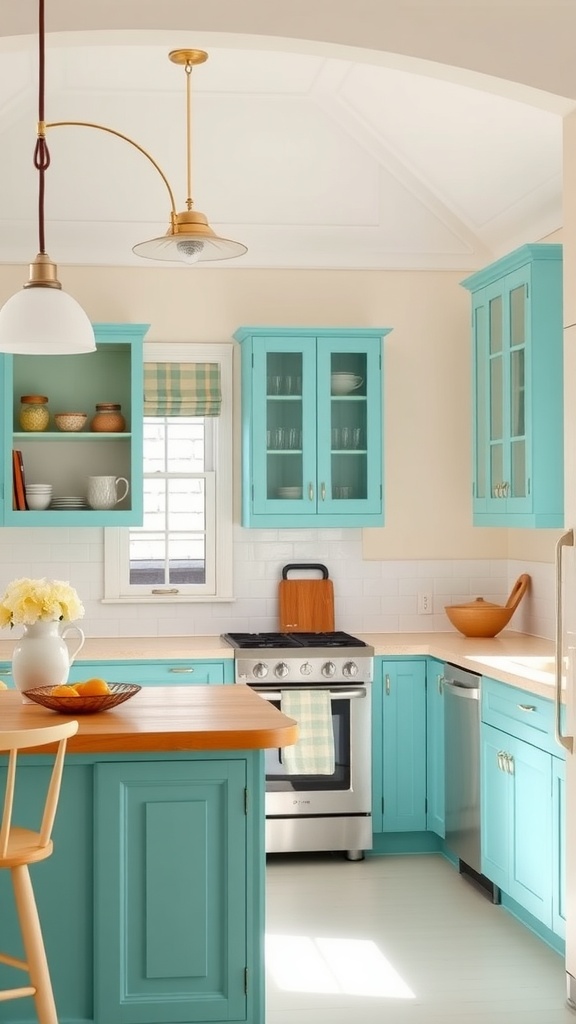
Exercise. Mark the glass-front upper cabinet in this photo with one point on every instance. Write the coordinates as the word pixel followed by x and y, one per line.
pixel 518 387
pixel 312 426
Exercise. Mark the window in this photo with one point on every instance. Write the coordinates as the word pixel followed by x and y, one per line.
pixel 183 550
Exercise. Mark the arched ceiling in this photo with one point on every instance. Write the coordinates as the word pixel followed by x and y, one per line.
pixel 311 143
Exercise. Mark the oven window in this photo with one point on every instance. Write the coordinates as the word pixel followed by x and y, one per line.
pixel 278 781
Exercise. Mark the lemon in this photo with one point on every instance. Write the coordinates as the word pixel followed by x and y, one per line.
pixel 63 691
pixel 3 685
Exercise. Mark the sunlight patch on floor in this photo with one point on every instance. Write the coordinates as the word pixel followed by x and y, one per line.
pixel 299 963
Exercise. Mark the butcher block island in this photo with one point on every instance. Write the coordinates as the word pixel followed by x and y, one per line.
pixel 152 904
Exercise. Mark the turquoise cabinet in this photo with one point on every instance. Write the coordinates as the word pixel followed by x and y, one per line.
pixel 399 741
pixel 518 389
pixel 156 673
pixel 170 922
pixel 517 820
pixel 113 373
pixel 152 904
pixel 523 801
pixel 312 426
pixel 559 846
pixel 435 799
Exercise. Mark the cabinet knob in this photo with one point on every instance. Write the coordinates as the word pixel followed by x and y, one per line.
pixel 310 492
pixel 323 491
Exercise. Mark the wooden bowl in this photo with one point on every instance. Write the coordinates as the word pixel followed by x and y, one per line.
pixel 479 618
pixel 79 705
pixel 482 618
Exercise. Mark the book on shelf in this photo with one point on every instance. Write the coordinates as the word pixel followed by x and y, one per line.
pixel 19 499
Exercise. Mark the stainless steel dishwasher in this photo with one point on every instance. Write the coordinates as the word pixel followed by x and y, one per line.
pixel 461 690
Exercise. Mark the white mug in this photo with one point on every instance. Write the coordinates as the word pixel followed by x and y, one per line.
pixel 103 493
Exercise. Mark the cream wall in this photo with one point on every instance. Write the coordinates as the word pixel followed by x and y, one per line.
pixel 427 371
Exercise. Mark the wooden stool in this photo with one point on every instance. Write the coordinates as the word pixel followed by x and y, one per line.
pixel 20 847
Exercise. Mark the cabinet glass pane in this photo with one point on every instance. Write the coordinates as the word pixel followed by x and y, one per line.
pixel 348 426
pixel 518 316
pixel 519 487
pixel 517 394
pixel 284 425
pixel 495 325
pixel 496 399
pixel 479 329
pixel 496 469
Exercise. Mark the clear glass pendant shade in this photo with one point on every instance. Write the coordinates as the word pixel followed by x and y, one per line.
pixel 183 248
pixel 44 321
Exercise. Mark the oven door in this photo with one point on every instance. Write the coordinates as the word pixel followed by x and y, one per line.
pixel 348 790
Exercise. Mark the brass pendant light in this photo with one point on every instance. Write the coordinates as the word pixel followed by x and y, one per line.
pixel 189 237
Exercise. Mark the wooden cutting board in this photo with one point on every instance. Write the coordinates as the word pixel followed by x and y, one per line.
pixel 306 605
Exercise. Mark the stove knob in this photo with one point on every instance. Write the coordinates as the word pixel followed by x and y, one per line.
pixel 329 669
pixel 350 669
pixel 306 669
pixel 260 670
pixel 281 670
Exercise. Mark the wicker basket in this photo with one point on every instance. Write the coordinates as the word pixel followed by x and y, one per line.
pixel 80 705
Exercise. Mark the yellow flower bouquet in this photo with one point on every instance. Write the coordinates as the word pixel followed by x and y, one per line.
pixel 28 601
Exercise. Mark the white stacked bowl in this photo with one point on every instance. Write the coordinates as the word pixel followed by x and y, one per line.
pixel 38 496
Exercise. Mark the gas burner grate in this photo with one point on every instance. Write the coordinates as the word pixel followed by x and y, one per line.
pixel 246 641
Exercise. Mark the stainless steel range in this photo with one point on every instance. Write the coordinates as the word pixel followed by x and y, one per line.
pixel 308 811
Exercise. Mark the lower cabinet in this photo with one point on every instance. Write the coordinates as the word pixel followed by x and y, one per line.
pixel 517 820
pixel 152 903
pixel 399 739
pixel 170 920
pixel 435 760
pixel 523 801
pixel 156 673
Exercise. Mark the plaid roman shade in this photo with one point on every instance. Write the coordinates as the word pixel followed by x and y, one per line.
pixel 182 389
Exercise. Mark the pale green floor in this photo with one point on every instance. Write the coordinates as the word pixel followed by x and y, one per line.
pixel 400 940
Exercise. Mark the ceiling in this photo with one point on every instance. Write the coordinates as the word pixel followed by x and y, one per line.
pixel 311 160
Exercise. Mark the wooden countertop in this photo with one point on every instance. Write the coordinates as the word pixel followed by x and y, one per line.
pixel 168 719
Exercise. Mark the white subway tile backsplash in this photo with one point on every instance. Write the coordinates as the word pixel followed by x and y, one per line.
pixel 370 596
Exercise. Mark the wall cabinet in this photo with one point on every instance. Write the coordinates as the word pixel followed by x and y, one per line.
pixel 113 373
pixel 518 389
pixel 435 760
pixel 311 426
pixel 399 743
pixel 523 812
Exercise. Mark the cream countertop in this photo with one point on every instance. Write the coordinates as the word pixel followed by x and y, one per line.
pixel 514 658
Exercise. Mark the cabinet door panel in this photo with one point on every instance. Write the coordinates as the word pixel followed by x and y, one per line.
pixel 435 796
pixel 170 925
pixel 531 818
pixel 404 746
pixel 496 808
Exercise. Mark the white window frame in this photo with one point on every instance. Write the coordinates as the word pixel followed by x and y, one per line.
pixel 117 588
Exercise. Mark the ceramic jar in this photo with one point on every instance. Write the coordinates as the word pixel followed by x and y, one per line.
pixel 108 419
pixel 34 415
pixel 41 656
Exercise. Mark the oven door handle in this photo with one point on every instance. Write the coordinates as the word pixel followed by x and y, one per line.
pixel 334 694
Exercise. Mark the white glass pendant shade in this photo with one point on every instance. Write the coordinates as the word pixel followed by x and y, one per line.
pixel 44 321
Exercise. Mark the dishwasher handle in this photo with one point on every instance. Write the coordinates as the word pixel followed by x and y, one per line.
pixel 468 692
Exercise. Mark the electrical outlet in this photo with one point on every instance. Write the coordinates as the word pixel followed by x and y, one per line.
pixel 424 603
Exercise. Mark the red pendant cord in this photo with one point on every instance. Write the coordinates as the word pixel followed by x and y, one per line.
pixel 41 152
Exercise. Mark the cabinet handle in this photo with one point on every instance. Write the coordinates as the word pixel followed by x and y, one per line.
pixel 167 590
pixel 510 764
pixel 387 685
pixel 182 669
pixel 527 707
pixel 323 491
pixel 500 757
pixel 310 492
pixel 440 684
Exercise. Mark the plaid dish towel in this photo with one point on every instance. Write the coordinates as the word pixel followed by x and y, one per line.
pixel 313 753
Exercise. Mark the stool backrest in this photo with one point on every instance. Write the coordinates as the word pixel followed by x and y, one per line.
pixel 15 740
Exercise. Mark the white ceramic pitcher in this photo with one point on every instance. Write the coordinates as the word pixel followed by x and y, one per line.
pixel 103 491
